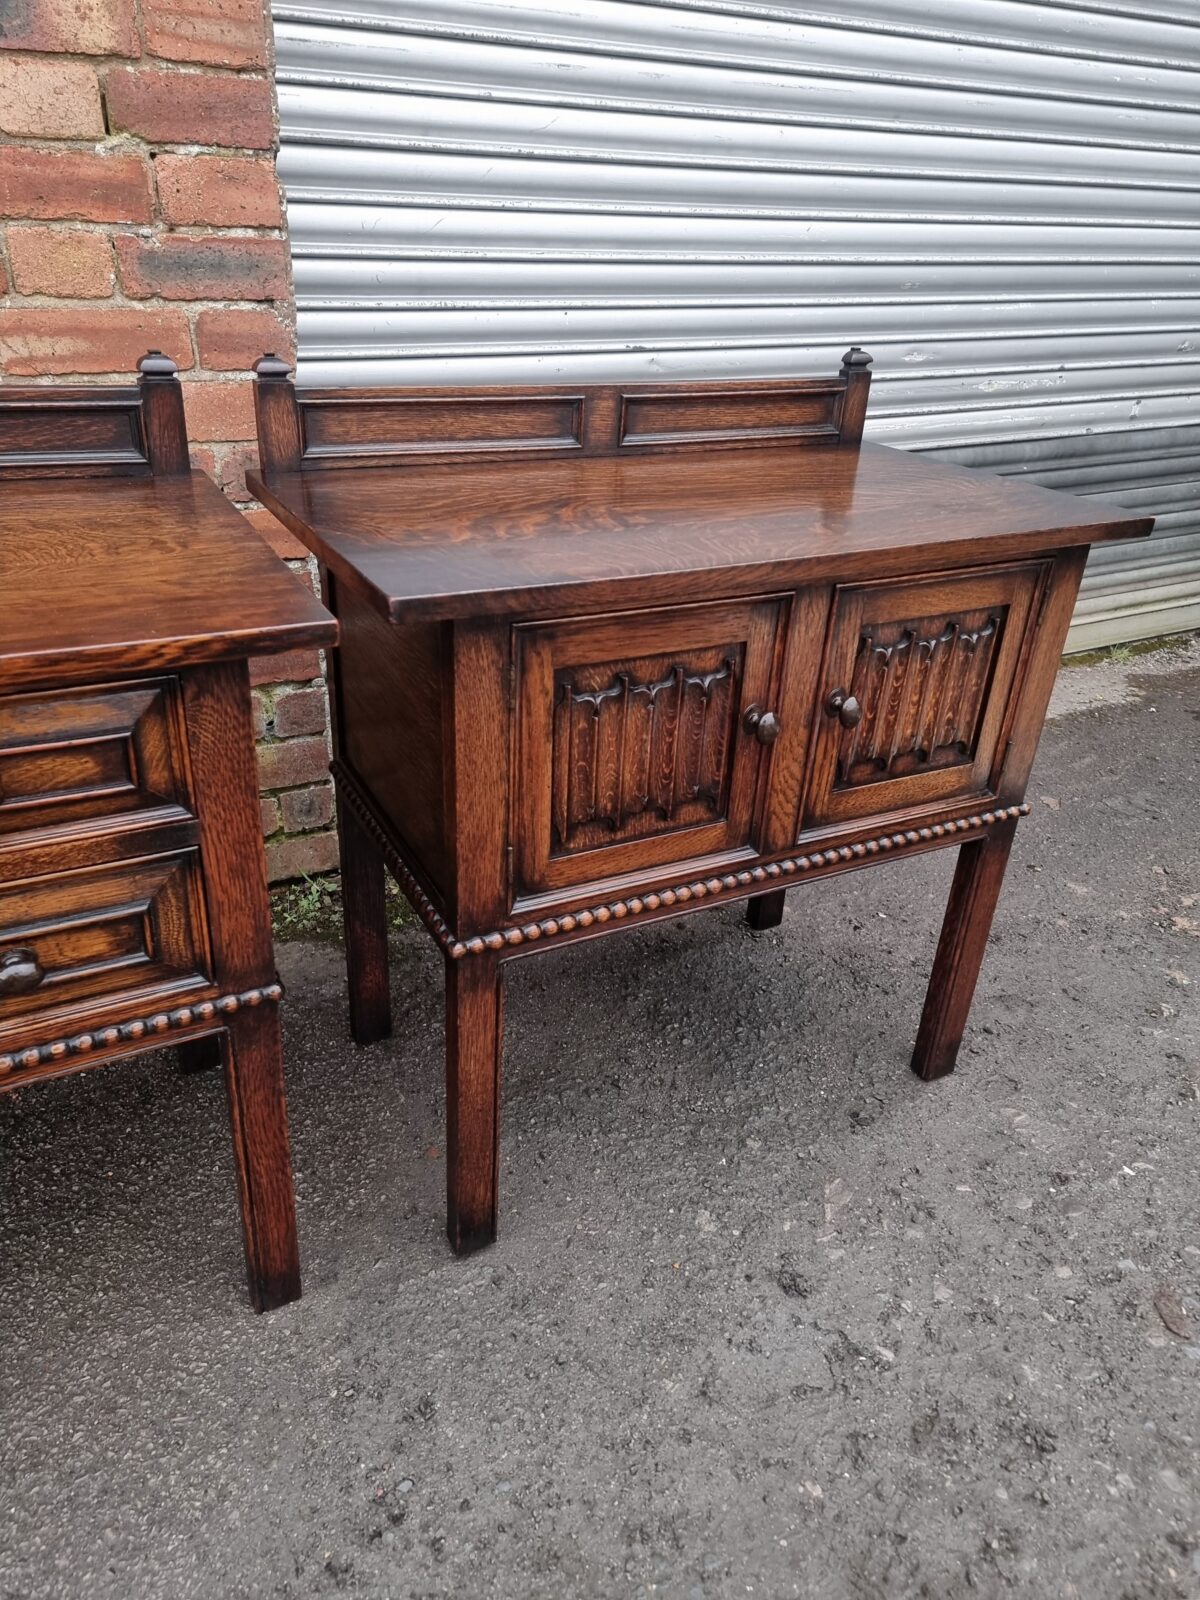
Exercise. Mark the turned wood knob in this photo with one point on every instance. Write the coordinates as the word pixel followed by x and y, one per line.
pixel 845 708
pixel 764 725
pixel 20 971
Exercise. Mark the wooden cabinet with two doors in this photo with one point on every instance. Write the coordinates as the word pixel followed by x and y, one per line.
pixel 699 739
pixel 609 654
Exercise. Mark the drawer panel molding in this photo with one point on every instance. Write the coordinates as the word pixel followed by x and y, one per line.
pixel 390 427
pixel 730 884
pixel 84 755
pixel 101 933
pixel 738 417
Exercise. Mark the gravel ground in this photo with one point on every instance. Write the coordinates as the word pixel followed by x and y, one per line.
pixel 768 1316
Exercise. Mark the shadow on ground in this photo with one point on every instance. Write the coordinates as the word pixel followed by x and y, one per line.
pixel 768 1316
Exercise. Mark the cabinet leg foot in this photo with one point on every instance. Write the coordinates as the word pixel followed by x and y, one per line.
pixel 765 911
pixel 474 1045
pixel 253 1052
pixel 978 877
pixel 198 1055
pixel 365 916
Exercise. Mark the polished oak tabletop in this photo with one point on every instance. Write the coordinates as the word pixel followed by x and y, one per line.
pixel 141 573
pixel 533 535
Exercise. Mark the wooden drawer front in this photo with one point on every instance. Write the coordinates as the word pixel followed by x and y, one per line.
pixel 132 926
pixel 930 665
pixel 631 746
pixel 76 754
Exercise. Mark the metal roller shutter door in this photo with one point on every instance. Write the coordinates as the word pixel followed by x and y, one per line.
pixel 1000 199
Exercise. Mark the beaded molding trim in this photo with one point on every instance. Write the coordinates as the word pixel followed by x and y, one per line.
pixel 715 888
pixel 82 1044
pixel 350 796
pixel 636 905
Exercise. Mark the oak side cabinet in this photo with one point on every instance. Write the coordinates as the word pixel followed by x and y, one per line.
pixel 133 897
pixel 612 654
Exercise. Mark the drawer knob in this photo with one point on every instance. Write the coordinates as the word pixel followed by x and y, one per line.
pixel 764 725
pixel 845 708
pixel 20 971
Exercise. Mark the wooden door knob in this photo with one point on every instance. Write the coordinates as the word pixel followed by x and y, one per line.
pixel 20 971
pixel 764 725
pixel 845 708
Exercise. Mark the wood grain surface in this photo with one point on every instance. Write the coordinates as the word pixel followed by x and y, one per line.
pixel 597 532
pixel 138 574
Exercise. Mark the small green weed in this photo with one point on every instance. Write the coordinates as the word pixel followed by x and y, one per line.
pixel 310 909
pixel 1122 654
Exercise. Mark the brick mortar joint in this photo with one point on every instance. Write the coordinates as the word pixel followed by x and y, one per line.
pixel 150 233
pixel 199 232
pixel 125 142
pixel 256 73
pixel 152 306
pixel 106 61
pixel 123 302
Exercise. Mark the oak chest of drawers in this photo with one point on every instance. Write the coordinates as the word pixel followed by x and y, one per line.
pixel 133 903
pixel 609 655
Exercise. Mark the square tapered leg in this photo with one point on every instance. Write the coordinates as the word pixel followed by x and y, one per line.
pixel 765 911
pixel 474 1044
pixel 978 877
pixel 365 916
pixel 253 1052
pixel 198 1055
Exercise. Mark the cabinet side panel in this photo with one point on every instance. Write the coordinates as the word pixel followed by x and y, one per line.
pixel 1050 635
pixel 390 727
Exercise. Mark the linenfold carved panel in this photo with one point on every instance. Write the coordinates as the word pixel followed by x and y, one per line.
pixel 642 745
pixel 922 685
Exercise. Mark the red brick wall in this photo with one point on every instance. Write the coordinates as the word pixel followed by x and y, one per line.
pixel 140 209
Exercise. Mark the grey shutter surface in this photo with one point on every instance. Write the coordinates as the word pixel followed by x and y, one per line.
pixel 999 199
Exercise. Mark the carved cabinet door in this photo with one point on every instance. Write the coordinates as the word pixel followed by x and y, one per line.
pixel 634 748
pixel 915 690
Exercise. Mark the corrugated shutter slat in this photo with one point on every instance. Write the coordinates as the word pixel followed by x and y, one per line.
pixel 1000 199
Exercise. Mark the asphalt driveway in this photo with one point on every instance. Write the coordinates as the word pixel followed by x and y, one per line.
pixel 768 1316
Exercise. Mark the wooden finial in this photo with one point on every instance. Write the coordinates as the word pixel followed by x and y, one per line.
pixel 276 414
pixel 856 375
pixel 163 422
pixel 271 368
pixel 156 365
